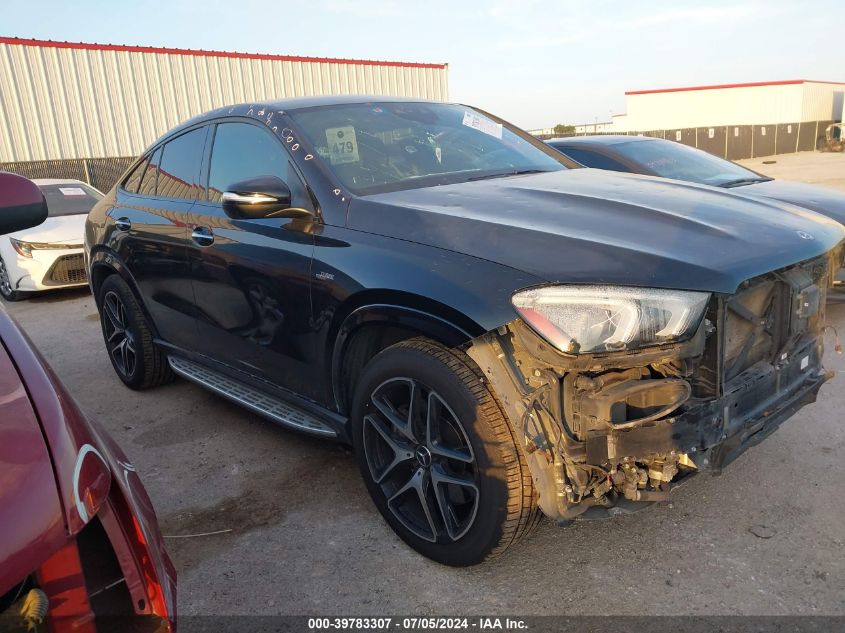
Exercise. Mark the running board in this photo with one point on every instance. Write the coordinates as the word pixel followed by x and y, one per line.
pixel 270 407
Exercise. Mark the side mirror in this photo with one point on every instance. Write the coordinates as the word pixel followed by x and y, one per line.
pixel 262 197
pixel 22 205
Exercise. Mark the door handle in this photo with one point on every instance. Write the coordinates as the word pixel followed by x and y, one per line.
pixel 123 224
pixel 203 236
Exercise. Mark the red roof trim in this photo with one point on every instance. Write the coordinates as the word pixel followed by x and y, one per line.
pixel 746 85
pixel 200 53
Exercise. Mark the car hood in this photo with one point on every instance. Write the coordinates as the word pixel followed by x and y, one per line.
pixel 826 201
pixel 63 229
pixel 31 519
pixel 592 226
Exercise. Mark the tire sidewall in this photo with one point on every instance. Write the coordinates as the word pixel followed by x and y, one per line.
pixel 486 531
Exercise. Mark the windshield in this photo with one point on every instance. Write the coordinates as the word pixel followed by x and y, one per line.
pixel 668 159
pixel 70 198
pixel 377 147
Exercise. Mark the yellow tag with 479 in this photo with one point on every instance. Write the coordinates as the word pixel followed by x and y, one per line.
pixel 343 146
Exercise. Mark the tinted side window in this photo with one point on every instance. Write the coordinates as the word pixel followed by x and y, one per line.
pixel 131 183
pixel 178 175
pixel 593 159
pixel 243 151
pixel 150 177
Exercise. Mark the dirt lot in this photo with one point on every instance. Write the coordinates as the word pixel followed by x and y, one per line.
pixel 818 168
pixel 306 540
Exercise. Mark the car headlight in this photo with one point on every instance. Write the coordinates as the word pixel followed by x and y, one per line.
pixel 590 319
pixel 26 248
pixel 23 248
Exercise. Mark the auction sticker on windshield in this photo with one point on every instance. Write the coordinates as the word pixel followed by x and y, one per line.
pixel 343 146
pixel 72 191
pixel 482 124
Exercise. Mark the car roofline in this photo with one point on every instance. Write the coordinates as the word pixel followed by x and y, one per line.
pixel 602 139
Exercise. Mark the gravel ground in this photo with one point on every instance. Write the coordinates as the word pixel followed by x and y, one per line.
pixel 766 537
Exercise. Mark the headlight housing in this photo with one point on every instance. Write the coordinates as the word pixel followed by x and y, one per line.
pixel 600 319
pixel 25 248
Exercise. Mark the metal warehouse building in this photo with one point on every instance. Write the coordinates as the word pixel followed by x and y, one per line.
pixel 737 120
pixel 767 103
pixel 81 103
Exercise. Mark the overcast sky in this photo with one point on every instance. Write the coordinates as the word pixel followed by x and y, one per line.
pixel 533 62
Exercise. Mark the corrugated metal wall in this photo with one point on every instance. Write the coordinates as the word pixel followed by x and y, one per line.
pixel 822 101
pixel 60 101
pixel 757 105
pixel 744 104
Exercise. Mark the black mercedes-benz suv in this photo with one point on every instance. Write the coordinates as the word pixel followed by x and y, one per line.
pixel 496 333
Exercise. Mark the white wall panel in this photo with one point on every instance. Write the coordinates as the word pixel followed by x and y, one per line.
pixel 61 100
pixel 752 105
pixel 822 101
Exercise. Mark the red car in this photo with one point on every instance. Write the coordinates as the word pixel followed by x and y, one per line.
pixel 80 548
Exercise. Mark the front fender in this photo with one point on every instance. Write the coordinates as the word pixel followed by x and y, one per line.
pixel 424 323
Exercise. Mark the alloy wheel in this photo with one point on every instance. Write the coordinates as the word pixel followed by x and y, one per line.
pixel 5 282
pixel 419 455
pixel 119 339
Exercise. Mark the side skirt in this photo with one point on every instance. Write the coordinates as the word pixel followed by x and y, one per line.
pixel 282 411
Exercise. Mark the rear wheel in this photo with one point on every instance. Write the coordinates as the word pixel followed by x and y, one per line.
pixel 6 285
pixel 136 359
pixel 437 455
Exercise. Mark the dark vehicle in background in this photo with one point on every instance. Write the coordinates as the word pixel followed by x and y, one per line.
pixel 494 333
pixel 668 159
pixel 80 548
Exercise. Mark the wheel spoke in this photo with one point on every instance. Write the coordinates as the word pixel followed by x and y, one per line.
pixel 440 476
pixel 424 487
pixel 458 454
pixel 111 310
pixel 125 360
pixel 436 406
pixel 119 354
pixel 439 480
pixel 418 484
pixel 415 404
pixel 401 451
pixel 129 355
pixel 386 408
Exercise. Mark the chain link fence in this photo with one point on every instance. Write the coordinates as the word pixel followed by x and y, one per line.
pixel 101 173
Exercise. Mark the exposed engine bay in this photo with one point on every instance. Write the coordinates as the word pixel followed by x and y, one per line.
pixel 605 433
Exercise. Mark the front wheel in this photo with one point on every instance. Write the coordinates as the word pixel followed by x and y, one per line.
pixel 438 456
pixel 6 290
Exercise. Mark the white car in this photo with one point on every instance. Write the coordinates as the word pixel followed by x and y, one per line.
pixel 50 255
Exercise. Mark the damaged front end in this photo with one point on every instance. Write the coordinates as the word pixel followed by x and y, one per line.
pixel 610 431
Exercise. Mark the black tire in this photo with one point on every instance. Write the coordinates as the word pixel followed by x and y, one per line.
pixel 6 285
pixel 504 501
pixel 140 364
